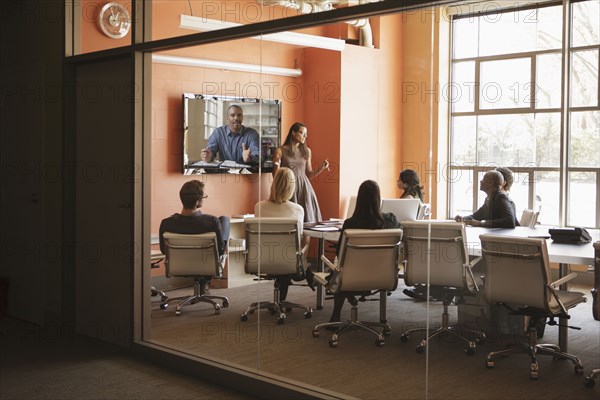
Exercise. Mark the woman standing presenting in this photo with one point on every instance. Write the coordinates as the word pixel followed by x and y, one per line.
pixel 296 155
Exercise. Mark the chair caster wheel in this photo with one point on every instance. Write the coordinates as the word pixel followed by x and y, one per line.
pixel 333 343
pixel 589 382
pixel 387 332
pixel 217 309
pixel 225 303
pixel 315 333
pixel 308 315
pixel 489 364
pixel 164 306
pixel 534 372
pixel 379 342
pixel 178 312
pixel 470 351
pixel 420 349
pixel 403 338
pixel 578 369
pixel 244 318
pixel 280 320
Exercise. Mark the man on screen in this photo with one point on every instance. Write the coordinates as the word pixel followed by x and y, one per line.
pixel 233 141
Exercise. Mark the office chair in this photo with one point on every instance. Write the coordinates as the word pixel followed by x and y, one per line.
pixel 273 252
pixel 529 218
pixel 590 379
pixel 156 257
pixel 367 263
pixel 436 255
pixel 424 211
pixel 195 256
pixel 517 276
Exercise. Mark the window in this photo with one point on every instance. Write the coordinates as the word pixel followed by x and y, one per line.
pixel 507 73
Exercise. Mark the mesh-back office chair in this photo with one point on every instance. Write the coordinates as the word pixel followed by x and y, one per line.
pixel 590 379
pixel 195 256
pixel 529 218
pixel 367 261
pixel 436 255
pixel 517 276
pixel 273 252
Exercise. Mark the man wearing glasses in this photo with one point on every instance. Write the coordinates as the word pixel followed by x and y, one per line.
pixel 192 221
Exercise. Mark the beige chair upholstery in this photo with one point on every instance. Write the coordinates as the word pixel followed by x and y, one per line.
pixel 195 256
pixel 590 379
pixel 529 218
pixel 367 262
pixel 517 276
pixel 273 251
pixel 156 257
pixel 436 254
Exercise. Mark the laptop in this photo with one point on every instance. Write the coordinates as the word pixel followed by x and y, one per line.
pixel 403 209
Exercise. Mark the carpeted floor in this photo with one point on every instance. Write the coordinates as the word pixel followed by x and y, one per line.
pixel 359 368
pixel 58 364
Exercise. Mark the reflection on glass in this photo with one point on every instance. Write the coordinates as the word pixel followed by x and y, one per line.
pixel 506 139
pixel 505 84
pixel 584 78
pixel 519 192
pixel 548 81
pixel 584 144
pixel 582 199
pixel 586 23
pixel 462 90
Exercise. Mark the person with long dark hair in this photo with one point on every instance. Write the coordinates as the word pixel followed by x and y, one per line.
pixel 409 183
pixel 295 154
pixel 367 215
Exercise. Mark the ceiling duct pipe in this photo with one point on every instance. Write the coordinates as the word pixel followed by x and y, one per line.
pixel 308 7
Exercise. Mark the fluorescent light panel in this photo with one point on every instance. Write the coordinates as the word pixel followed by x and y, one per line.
pixel 199 62
pixel 297 39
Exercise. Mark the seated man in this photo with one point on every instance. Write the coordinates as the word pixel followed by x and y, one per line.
pixel 497 211
pixel 192 221
pixel 233 141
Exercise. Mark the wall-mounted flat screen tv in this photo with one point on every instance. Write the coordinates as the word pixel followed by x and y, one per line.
pixel 202 114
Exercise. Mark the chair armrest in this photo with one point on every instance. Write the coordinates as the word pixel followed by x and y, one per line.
pixel 304 250
pixel 321 278
pixel 474 261
pixel 329 263
pixel 563 280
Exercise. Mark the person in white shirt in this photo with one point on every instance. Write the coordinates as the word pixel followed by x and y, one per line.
pixel 279 206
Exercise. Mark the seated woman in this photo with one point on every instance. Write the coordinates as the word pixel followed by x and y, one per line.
pixel 279 206
pixel 367 215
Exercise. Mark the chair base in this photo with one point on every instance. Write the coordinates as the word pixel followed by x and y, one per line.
pixel 589 380
pixel 354 323
pixel 533 349
pixel 276 307
pixel 199 296
pixel 156 292
pixel 446 328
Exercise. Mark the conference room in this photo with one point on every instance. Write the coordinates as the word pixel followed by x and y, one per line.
pixel 387 92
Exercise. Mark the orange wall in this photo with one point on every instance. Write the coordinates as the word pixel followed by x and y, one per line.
pixel 92 37
pixel 416 56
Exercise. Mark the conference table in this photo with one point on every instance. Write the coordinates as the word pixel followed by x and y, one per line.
pixel 560 253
